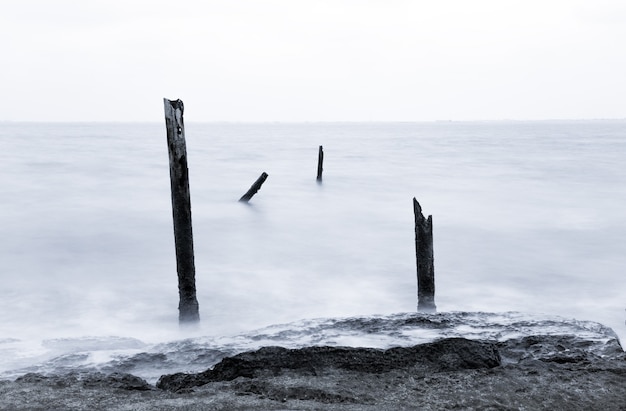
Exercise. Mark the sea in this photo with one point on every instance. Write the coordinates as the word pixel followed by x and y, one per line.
pixel 529 224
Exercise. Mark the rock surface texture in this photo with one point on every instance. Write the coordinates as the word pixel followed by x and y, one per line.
pixel 451 354
pixel 533 372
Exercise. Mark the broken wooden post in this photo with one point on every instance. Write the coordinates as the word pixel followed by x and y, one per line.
pixel 181 210
pixel 320 164
pixel 425 260
pixel 254 189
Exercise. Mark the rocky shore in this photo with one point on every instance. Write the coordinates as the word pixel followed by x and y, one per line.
pixel 507 361
pixel 533 372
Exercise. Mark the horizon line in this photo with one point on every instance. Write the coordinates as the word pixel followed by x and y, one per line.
pixel 507 120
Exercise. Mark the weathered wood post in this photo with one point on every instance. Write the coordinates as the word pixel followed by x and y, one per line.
pixel 425 260
pixel 320 164
pixel 181 210
pixel 254 188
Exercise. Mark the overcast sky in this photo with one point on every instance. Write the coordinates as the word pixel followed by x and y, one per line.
pixel 313 60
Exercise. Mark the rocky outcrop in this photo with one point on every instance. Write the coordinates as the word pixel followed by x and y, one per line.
pixel 93 380
pixel 523 364
pixel 450 354
pixel 562 349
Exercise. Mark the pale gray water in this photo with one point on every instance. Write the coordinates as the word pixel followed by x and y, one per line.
pixel 528 217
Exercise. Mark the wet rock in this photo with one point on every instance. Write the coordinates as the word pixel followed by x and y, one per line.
pixel 278 392
pixel 560 349
pixel 445 355
pixel 527 363
pixel 93 380
pixel 54 381
pixel 116 380
pixel 32 378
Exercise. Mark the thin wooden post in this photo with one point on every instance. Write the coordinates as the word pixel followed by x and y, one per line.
pixel 181 210
pixel 320 164
pixel 254 188
pixel 425 260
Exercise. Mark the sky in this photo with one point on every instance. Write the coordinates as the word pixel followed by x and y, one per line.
pixel 313 60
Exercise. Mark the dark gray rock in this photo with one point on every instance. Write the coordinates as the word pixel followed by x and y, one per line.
pixel 300 392
pixel 582 368
pixel 93 380
pixel 559 349
pixel 116 380
pixel 445 355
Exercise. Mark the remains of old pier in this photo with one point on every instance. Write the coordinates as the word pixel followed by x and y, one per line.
pixel 320 164
pixel 425 260
pixel 254 188
pixel 181 210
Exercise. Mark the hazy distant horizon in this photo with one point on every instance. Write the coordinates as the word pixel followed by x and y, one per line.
pixel 322 60
pixel 192 121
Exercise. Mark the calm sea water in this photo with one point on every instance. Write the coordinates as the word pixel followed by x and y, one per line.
pixel 528 216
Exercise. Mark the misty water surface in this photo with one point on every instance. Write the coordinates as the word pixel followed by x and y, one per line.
pixel 528 216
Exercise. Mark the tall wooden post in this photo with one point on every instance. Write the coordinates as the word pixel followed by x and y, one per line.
pixel 425 260
pixel 320 164
pixel 181 210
